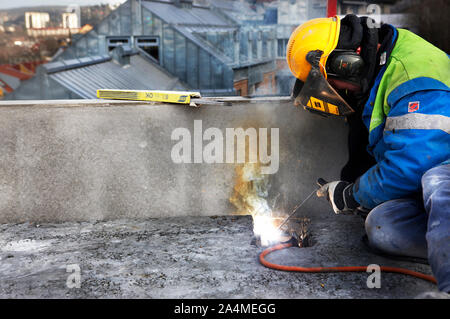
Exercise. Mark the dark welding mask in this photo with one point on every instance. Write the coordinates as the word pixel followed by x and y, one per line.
pixel 316 94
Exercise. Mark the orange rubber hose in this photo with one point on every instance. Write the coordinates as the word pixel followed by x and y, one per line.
pixel 334 269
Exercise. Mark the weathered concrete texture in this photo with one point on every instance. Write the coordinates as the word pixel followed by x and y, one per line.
pixel 187 257
pixel 99 160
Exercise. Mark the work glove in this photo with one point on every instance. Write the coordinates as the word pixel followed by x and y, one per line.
pixel 340 195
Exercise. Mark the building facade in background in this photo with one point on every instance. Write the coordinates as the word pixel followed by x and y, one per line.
pixel 202 46
pixel 217 47
pixel 70 20
pixel 37 23
pixel 36 20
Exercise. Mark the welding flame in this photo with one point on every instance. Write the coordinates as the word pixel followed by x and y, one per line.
pixel 265 228
pixel 250 197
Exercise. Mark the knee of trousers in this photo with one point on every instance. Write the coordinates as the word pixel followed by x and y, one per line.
pixel 435 179
pixel 398 227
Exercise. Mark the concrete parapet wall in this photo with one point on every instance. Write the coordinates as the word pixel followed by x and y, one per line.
pixel 100 160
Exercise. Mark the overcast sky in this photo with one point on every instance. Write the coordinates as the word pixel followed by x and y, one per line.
pixel 7 4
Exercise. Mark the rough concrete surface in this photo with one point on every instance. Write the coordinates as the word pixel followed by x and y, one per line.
pixel 188 257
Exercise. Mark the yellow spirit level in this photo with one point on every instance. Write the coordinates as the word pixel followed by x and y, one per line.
pixel 155 96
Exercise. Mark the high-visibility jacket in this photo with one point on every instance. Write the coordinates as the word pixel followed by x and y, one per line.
pixel 407 115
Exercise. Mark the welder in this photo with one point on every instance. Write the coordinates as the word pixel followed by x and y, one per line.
pixel 392 87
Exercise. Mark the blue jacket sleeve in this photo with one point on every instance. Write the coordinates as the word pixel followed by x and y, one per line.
pixel 414 140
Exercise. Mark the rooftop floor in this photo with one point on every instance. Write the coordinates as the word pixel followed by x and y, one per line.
pixel 188 257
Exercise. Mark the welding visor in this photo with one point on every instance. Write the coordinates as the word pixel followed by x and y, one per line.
pixel 316 94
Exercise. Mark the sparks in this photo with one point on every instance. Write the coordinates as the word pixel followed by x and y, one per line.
pixel 266 230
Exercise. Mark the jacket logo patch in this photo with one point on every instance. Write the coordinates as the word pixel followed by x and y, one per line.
pixel 413 106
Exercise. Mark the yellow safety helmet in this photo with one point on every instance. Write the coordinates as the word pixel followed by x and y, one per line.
pixel 317 34
pixel 307 52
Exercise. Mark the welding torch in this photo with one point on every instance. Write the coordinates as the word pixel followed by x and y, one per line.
pixel 320 193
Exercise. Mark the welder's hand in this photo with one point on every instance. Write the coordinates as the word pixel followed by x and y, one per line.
pixel 340 195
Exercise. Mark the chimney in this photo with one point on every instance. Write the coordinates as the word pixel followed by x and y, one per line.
pixel 121 55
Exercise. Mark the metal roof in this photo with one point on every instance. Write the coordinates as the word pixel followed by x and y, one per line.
pixel 205 45
pixel 233 5
pixel 185 20
pixel 140 74
pixel 203 29
pixel 172 14
pixel 57 66
pixel 236 10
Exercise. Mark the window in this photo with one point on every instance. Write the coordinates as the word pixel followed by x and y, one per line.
pixel 149 45
pixel 113 42
pixel 192 65
pixel 168 49
pixel 180 56
pixel 282 44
